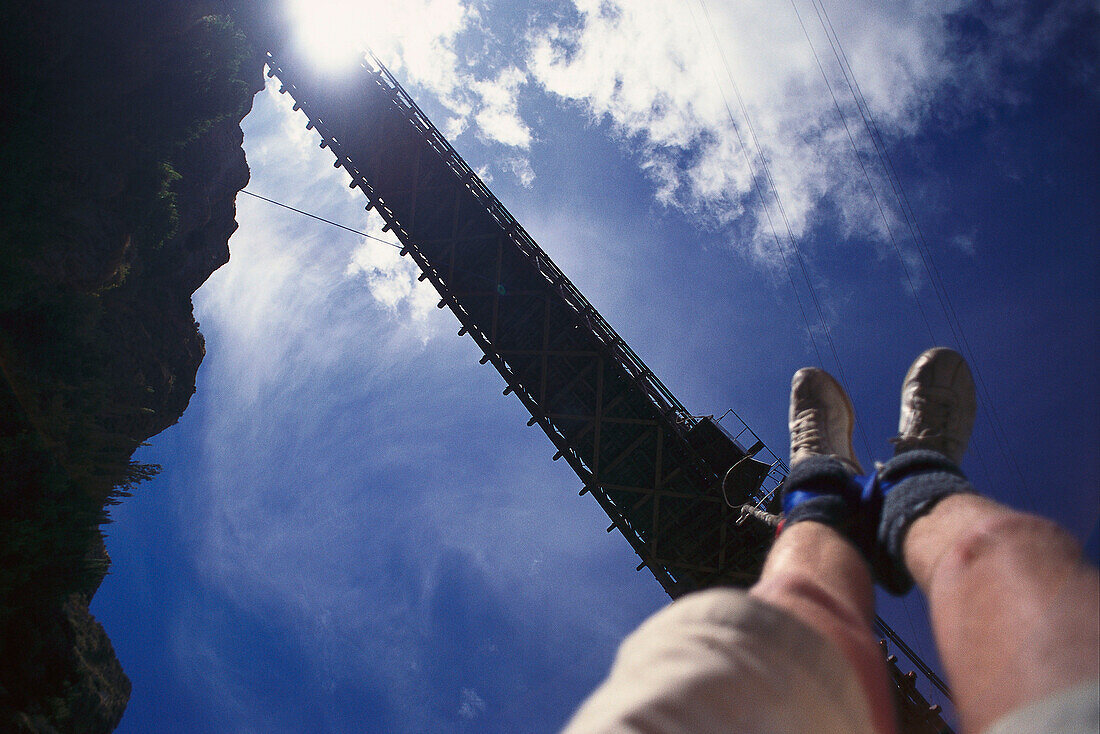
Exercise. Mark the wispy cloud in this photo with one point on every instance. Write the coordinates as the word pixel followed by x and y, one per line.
pixel 681 82
pixel 472 704
pixel 392 280
pixel 520 167
pixel 332 511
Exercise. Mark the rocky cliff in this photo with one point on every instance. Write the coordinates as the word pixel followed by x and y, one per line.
pixel 120 159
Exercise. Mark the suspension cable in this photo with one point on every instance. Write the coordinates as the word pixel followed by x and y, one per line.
pixel 763 203
pixel 866 174
pixel 379 240
pixel 321 219
pixel 892 177
pixel 880 623
pixel 997 431
pixel 786 219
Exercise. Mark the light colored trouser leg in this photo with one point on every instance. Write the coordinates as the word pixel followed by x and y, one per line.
pixel 1072 711
pixel 722 661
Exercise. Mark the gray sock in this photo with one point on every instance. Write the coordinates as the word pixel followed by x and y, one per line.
pixel 913 482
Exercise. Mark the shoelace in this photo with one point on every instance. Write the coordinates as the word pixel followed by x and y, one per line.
pixel 806 432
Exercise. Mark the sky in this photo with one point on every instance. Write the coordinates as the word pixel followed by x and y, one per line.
pixel 355 532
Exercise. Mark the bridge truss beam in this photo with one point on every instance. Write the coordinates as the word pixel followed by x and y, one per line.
pixel 651 465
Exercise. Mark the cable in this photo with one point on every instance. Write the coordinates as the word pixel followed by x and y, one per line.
pixel 321 219
pixel 478 276
pixel 880 623
pixel 866 174
pixel 893 636
pixel 1000 439
pixel 763 203
pixel 786 220
pixel 908 214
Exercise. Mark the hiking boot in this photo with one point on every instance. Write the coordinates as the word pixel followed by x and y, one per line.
pixel 821 419
pixel 937 405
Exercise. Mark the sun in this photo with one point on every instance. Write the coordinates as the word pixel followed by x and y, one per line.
pixel 334 33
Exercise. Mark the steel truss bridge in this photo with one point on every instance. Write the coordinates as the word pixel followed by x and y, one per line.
pixel 654 468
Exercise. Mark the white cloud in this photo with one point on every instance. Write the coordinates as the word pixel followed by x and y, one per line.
pixel 392 279
pixel 520 167
pixel 964 242
pixel 292 141
pixel 418 35
pixel 472 704
pixel 498 119
pixel 664 75
pixel 454 126
pixel 417 40
pixel 485 174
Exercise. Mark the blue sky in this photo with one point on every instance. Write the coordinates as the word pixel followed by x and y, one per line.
pixel 354 531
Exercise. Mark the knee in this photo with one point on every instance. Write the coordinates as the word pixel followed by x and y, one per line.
pixel 1007 541
pixel 1015 530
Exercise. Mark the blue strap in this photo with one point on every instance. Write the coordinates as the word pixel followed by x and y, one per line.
pixel 793 499
pixel 865 490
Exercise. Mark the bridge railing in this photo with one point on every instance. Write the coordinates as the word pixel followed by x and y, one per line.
pixel 778 471
pixel 919 716
pixel 658 393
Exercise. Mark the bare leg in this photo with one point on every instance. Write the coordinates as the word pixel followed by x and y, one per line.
pixel 816 575
pixel 1014 609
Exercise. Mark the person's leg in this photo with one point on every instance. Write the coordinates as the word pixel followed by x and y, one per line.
pixel 1013 607
pixel 794 654
pixel 816 570
pixel 816 575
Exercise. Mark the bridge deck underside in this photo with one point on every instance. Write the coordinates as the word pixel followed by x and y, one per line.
pixel 628 448
pixel 622 432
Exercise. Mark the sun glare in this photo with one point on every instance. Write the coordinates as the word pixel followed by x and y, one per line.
pixel 333 32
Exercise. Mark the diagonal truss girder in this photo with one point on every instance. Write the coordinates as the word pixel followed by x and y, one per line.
pixel 623 433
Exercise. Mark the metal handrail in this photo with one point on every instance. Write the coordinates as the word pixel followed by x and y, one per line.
pixel 662 398
pixel 656 390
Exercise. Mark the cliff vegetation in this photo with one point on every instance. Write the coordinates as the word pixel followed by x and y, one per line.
pixel 120 160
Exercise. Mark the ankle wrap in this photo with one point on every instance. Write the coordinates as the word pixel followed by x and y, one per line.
pixel 911 483
pixel 822 489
